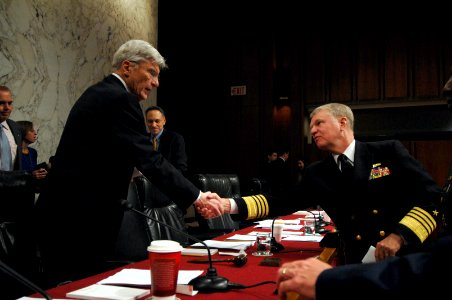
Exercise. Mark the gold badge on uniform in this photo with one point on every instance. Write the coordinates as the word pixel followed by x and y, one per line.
pixel 378 171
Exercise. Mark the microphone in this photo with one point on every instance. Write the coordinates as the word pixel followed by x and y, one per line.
pixel 211 282
pixel 319 223
pixel 11 272
pixel 316 224
pixel 274 245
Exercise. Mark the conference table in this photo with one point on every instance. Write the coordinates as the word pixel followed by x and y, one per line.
pixel 251 273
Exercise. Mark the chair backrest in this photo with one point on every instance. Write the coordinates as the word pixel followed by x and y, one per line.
pixel 226 186
pixel 445 227
pixel 134 235
pixel 18 247
pixel 158 206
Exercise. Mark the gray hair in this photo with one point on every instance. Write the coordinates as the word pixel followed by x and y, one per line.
pixel 337 110
pixel 137 51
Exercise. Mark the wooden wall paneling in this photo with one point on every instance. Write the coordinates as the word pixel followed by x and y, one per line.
pixel 341 68
pixel 446 61
pixel 395 67
pixel 435 156
pixel 313 74
pixel 426 68
pixel 368 80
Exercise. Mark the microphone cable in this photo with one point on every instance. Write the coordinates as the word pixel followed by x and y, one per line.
pixel 238 286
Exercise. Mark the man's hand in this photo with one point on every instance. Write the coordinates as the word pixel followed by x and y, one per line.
pixel 209 205
pixel 389 246
pixel 300 277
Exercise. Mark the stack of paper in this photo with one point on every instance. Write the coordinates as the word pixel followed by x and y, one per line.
pixel 106 292
pixel 198 251
pixel 242 245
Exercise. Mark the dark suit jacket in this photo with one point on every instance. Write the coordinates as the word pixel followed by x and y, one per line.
pixel 172 147
pixel 103 140
pixel 388 183
pixel 18 137
pixel 414 276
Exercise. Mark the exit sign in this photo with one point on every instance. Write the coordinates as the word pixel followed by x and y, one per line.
pixel 238 90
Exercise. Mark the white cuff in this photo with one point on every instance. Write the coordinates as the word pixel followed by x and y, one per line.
pixel 234 207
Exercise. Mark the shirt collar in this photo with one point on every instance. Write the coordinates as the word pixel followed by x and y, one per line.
pixel 122 81
pixel 349 152
pixel 4 124
pixel 158 135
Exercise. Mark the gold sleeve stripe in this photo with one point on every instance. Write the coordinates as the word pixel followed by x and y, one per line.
pixel 257 206
pixel 420 222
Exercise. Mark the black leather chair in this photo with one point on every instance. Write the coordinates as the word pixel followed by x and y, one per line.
pixel 18 248
pixel 226 186
pixel 445 226
pixel 134 235
pixel 160 207
pixel 137 232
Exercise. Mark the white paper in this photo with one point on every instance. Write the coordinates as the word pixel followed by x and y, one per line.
pixel 285 233
pixel 242 237
pixel 226 245
pixel 108 292
pixel 370 256
pixel 268 222
pixel 33 298
pixel 286 226
pixel 304 238
pixel 140 277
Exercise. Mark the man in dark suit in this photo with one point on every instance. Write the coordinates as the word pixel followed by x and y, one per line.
pixel 79 210
pixel 12 131
pixel 386 199
pixel 17 248
pixel 169 143
pixel 172 146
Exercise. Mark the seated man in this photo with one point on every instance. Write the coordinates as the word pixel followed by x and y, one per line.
pixel 386 199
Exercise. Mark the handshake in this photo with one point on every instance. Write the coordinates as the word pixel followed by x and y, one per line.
pixel 210 205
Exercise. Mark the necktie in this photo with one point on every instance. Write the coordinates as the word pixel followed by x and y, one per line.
pixel 154 144
pixel 5 151
pixel 346 166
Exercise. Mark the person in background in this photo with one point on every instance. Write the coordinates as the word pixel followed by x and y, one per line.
pixel 17 247
pixel 29 154
pixel 299 172
pixel 279 177
pixel 10 134
pixel 172 146
pixel 272 155
pixel 103 141
pixel 169 143
pixel 379 196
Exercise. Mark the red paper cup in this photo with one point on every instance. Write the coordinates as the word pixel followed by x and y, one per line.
pixel 164 256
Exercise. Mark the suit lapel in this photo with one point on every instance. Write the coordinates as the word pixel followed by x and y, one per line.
pixel 363 162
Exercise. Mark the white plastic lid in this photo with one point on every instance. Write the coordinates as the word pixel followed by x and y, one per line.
pixel 164 246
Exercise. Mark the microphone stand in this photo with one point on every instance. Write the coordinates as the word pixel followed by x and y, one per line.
pixel 316 225
pixel 11 272
pixel 211 282
pixel 275 246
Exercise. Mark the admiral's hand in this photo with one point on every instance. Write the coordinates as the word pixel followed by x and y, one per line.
pixel 389 246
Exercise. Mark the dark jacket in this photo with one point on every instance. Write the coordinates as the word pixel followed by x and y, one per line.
pixel 79 209
pixel 414 276
pixel 172 147
pixel 18 137
pixel 390 193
